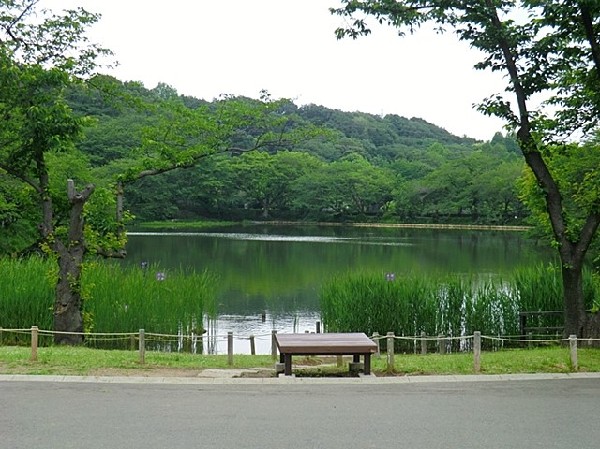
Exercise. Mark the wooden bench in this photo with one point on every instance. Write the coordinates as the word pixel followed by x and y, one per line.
pixel 354 344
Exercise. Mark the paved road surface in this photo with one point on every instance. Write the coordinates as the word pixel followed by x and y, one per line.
pixel 520 414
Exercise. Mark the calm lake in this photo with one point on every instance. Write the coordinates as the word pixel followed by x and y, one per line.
pixel 278 270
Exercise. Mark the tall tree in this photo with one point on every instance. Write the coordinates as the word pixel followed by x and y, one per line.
pixel 549 48
pixel 40 55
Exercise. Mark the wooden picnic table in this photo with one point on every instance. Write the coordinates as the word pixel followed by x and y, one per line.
pixel 354 344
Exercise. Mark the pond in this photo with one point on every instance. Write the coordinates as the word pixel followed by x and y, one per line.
pixel 270 276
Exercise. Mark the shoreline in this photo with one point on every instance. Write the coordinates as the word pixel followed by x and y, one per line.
pixel 207 224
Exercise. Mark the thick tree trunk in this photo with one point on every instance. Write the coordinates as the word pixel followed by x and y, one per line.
pixel 578 321
pixel 68 304
pixel 591 328
pixel 574 307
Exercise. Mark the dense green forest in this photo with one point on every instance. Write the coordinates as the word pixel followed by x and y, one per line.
pixel 361 167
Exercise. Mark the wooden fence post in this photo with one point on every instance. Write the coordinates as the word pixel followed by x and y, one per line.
pixel 390 351
pixel 274 344
pixel 34 343
pixel 252 345
pixel 0 335
pixel 423 343
pixel 142 347
pixel 477 351
pixel 442 344
pixel 230 348
pixel 376 340
pixel 573 350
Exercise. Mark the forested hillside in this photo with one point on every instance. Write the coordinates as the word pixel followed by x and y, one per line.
pixel 362 167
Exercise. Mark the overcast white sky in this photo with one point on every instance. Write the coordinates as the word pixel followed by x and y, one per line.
pixel 205 48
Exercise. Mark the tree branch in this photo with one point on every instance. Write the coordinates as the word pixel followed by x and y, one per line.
pixel 21 177
pixel 527 143
pixel 588 26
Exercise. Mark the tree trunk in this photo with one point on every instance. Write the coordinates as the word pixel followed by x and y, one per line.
pixel 578 321
pixel 68 304
pixel 574 307
pixel 592 328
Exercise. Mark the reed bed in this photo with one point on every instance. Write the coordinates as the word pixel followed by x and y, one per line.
pixel 116 299
pixel 26 293
pixel 449 305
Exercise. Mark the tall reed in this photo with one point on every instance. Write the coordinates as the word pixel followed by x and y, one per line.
pixel 116 299
pixel 26 293
pixel 452 305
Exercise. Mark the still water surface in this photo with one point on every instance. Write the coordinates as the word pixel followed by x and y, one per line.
pixel 278 271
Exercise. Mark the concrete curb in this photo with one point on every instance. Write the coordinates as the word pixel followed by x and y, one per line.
pixel 286 380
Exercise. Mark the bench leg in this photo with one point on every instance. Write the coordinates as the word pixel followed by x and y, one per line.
pixel 367 364
pixel 287 369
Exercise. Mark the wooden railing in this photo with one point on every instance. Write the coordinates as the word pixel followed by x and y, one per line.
pixel 527 330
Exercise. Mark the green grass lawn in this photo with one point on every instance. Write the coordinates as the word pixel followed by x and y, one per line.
pixel 85 361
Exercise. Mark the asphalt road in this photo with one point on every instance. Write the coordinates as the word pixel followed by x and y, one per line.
pixel 523 414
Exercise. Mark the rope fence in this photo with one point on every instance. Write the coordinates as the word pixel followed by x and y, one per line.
pixel 139 340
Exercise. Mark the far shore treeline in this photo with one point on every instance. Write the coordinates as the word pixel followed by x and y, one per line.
pixel 357 167
pixel 362 167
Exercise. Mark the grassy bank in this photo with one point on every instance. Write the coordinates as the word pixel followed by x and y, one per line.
pixel 86 361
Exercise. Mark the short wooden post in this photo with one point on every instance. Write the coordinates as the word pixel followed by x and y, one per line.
pixel 442 344
pixel 252 345
pixel 530 340
pixel 0 336
pixel 477 351
pixel 423 343
pixel 274 344
pixel 390 351
pixel 376 340
pixel 142 347
pixel 573 350
pixel 230 348
pixel 318 327
pixel 34 343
